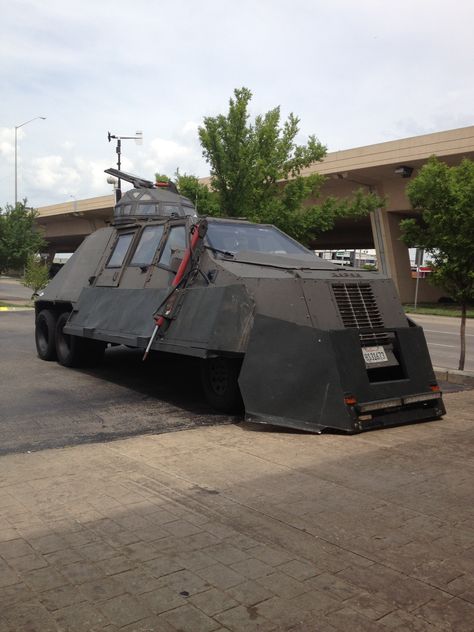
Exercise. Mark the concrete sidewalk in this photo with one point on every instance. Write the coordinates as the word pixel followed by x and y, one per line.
pixel 244 528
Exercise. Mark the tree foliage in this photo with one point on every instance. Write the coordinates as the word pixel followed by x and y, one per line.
pixel 257 171
pixel 445 197
pixel 36 274
pixel 19 237
pixel 204 199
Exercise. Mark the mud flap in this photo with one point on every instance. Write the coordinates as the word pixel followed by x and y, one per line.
pixel 289 377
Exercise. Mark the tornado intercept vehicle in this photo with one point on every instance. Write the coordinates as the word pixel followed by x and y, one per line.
pixel 297 340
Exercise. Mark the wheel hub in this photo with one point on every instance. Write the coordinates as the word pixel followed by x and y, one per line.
pixel 219 377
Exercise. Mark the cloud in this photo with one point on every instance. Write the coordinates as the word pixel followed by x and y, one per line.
pixel 355 74
pixel 51 173
pixel 59 178
pixel 51 178
pixel 7 143
pixel 190 128
pixel 166 151
pixel 165 155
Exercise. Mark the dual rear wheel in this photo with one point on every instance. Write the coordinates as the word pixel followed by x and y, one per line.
pixel 219 376
pixel 45 335
pixel 52 343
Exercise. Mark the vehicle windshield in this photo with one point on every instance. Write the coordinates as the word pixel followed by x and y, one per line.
pixel 233 237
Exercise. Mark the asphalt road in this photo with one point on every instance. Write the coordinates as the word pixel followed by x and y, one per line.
pixel 44 405
pixel 11 289
pixel 442 336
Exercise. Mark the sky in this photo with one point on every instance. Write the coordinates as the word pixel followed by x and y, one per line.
pixel 355 73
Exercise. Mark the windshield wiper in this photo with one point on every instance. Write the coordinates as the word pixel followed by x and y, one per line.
pixel 226 253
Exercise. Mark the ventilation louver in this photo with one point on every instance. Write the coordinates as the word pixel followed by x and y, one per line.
pixel 357 305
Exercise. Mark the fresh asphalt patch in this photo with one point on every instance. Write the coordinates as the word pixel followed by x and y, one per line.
pixel 44 405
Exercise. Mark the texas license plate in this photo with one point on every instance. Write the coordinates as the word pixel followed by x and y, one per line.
pixel 374 355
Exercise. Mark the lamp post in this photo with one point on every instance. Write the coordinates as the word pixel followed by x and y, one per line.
pixel 17 127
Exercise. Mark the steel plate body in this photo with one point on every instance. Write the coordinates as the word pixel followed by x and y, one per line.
pixel 311 337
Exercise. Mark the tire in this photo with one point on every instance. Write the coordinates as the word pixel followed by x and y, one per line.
pixel 219 378
pixel 74 351
pixel 45 335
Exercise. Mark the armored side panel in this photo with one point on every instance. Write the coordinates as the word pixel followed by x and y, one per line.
pixel 290 377
pixel 68 283
pixel 210 320
pixel 216 320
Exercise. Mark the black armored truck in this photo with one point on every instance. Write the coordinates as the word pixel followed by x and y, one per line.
pixel 296 340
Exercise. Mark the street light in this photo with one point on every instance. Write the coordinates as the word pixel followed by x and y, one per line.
pixel 17 127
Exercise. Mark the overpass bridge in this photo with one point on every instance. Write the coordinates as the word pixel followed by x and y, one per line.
pixel 384 168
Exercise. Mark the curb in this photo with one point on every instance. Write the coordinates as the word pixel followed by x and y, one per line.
pixel 454 376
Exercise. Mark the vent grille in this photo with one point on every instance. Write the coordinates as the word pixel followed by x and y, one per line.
pixel 381 338
pixel 357 305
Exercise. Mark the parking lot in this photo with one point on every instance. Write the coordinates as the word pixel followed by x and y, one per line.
pixel 219 526
pixel 45 405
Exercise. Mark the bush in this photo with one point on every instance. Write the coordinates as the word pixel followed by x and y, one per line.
pixel 36 274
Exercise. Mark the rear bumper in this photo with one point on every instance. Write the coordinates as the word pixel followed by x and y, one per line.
pixel 301 377
pixel 373 415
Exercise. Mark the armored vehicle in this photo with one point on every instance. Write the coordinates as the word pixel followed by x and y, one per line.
pixel 297 340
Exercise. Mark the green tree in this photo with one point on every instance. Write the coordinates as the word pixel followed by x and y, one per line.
pixel 19 236
pixel 204 199
pixel 445 197
pixel 36 274
pixel 257 171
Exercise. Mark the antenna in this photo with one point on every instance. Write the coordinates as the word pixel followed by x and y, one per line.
pixel 138 138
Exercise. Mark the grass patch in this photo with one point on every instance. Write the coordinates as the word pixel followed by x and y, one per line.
pixel 19 304
pixel 438 309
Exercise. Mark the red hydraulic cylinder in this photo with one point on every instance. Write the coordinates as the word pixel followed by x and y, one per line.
pixel 182 266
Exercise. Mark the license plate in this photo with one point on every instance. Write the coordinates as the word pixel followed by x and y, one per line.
pixel 374 355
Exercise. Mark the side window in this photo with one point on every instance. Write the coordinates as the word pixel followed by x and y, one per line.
pixel 189 210
pixel 120 250
pixel 147 246
pixel 122 209
pixel 146 209
pixel 176 240
pixel 170 209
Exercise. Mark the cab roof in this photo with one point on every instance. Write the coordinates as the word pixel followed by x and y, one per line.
pixel 151 203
